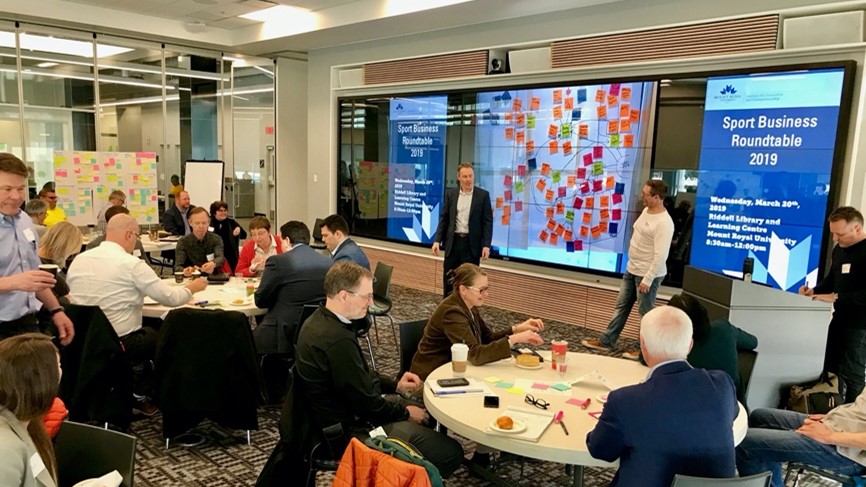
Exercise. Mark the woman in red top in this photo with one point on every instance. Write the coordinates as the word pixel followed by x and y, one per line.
pixel 258 248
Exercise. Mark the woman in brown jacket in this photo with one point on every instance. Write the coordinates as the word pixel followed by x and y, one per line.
pixel 457 320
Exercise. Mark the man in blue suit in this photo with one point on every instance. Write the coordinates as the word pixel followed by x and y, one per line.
pixel 290 280
pixel 678 421
pixel 465 224
pixel 335 234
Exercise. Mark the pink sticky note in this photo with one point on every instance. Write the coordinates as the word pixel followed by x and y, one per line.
pixel 540 386
pixel 595 414
pixel 617 198
pixel 597 152
pixel 575 402
pixel 617 214
pixel 518 206
pixel 507 195
pixel 562 190
pixel 587 159
pixel 596 185
pixel 521 170
pixel 507 181
pixel 95 179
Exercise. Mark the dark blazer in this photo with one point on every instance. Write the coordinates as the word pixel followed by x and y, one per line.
pixel 480 221
pixel 678 421
pixel 172 220
pixel 452 322
pixel 289 281
pixel 349 250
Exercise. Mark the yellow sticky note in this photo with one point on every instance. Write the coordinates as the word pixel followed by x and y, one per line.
pixel 492 378
pixel 514 390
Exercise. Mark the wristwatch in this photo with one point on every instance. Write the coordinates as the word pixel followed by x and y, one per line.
pixel 56 310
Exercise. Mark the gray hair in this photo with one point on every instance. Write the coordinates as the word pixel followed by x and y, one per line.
pixel 35 206
pixel 666 332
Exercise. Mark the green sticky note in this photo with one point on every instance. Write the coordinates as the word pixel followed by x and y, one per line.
pixel 561 387
pixel 597 168
pixel 119 166
pixel 518 186
pixel 565 130
pixel 614 140
pixel 503 384
pixel 530 121
pixel 557 176
pixel 514 390
pixel 492 379
pixel 569 216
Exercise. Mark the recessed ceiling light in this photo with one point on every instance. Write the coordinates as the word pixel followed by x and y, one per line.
pixel 280 12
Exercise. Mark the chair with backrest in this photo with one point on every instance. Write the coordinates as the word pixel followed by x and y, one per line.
pixel 410 336
pixel 798 468
pixel 757 480
pixel 206 367
pixel 85 452
pixel 317 242
pixel 745 365
pixel 381 298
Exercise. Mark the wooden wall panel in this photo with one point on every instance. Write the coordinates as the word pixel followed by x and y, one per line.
pixel 550 299
pixel 471 63
pixel 706 39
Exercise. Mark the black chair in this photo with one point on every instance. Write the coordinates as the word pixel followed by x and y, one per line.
pixel 745 365
pixel 381 298
pixel 206 367
pixel 799 468
pixel 410 336
pixel 757 480
pixel 85 452
pixel 317 242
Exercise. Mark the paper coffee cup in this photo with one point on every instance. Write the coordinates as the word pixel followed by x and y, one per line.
pixel 178 277
pixel 52 268
pixel 459 357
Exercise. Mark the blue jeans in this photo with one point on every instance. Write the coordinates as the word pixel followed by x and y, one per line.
pixel 628 294
pixel 772 439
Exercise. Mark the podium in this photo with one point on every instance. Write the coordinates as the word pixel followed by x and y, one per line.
pixel 791 329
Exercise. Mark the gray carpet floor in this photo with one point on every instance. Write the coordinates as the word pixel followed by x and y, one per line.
pixel 225 459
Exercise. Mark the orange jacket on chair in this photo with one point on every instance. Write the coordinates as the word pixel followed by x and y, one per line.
pixel 362 466
pixel 55 416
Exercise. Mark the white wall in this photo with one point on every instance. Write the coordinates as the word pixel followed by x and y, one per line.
pixel 294 170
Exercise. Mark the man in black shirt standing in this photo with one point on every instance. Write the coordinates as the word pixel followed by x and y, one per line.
pixel 845 287
pixel 340 388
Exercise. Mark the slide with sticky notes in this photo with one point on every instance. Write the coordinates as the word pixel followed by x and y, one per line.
pixel 562 165
pixel 85 179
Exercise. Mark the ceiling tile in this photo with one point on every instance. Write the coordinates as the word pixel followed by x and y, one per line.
pixel 232 23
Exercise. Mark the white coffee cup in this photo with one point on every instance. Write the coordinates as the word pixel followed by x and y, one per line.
pixel 459 356
pixel 52 268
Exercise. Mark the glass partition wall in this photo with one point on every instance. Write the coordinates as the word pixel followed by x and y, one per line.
pixel 69 90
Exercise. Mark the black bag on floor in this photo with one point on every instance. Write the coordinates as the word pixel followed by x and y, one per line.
pixel 816 397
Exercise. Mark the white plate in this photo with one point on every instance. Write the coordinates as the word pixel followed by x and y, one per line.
pixel 528 367
pixel 149 300
pixel 519 426
pixel 231 302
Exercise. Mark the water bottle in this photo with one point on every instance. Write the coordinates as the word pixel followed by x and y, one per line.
pixel 748 267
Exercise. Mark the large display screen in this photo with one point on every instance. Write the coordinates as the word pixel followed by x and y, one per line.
pixel 767 154
pixel 560 165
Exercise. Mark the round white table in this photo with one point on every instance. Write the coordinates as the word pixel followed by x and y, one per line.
pixel 468 417
pixel 156 245
pixel 223 294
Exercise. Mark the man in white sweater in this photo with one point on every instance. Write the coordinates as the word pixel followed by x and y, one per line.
pixel 647 253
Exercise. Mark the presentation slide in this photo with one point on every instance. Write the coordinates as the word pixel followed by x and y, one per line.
pixel 560 165
pixel 416 166
pixel 766 157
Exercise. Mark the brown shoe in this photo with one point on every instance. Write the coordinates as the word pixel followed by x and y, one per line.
pixel 144 408
pixel 631 354
pixel 595 345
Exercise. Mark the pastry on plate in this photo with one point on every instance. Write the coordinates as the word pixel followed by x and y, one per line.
pixel 528 360
pixel 505 422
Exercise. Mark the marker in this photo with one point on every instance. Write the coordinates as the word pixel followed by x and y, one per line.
pixel 445 393
pixel 558 419
pixel 586 403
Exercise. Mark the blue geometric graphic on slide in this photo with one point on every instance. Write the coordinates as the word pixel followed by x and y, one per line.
pixel 429 218
pixel 788 267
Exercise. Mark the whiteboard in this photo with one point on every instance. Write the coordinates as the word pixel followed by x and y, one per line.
pixel 204 182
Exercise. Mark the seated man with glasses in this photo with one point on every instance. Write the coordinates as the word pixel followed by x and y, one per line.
pixel 457 320
pixel 678 421
pixel 340 387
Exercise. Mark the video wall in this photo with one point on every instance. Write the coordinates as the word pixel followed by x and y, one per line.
pixel 767 154
pixel 564 165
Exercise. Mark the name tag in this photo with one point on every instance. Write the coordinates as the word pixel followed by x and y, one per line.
pixel 210 229
pixel 846 268
pixel 136 253
pixel 209 257
pixel 36 464
pixel 377 432
pixel 28 232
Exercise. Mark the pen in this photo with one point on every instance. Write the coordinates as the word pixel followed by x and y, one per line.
pixel 443 393
pixel 563 427
pixel 200 303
